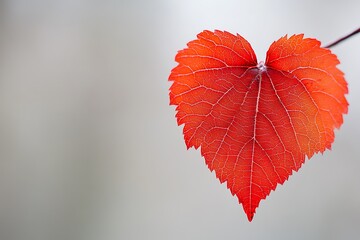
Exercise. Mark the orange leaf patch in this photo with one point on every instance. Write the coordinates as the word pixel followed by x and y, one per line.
pixel 256 122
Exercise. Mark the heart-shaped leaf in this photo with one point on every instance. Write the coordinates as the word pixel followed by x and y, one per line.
pixel 256 122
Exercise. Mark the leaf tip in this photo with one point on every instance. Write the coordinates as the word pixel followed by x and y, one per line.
pixel 250 216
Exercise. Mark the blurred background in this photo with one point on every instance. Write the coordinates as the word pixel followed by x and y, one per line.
pixel 90 148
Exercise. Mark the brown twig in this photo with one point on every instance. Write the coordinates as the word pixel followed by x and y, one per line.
pixel 343 38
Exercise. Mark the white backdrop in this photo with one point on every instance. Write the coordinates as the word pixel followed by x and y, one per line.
pixel 90 149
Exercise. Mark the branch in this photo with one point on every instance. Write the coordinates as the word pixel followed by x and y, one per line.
pixel 343 38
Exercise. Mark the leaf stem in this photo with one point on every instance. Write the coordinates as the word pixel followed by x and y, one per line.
pixel 343 38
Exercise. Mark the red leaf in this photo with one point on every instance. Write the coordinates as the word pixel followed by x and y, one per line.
pixel 256 122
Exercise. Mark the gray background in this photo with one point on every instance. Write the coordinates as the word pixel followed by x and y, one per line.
pixel 90 149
